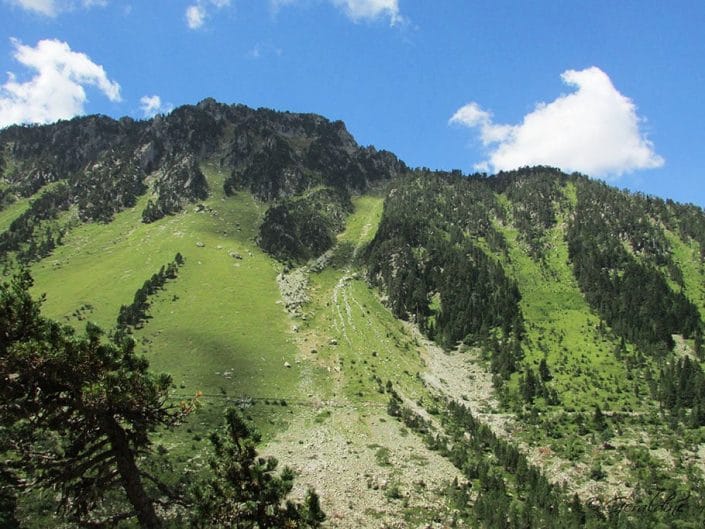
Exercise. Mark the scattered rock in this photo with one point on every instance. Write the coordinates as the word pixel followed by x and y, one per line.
pixel 200 244
pixel 287 364
pixel 235 255
pixel 293 287
pixel 333 341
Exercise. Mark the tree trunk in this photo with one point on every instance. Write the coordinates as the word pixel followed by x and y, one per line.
pixel 130 474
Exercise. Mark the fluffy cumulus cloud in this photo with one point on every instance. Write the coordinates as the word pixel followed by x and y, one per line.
pixel 152 105
pixel 198 12
pixel 51 8
pixel 594 129
pixel 56 89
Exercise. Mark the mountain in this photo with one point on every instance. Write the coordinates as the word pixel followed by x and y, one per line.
pixel 424 348
pixel 104 165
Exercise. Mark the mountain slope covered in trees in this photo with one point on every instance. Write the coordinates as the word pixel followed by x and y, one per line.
pixel 516 350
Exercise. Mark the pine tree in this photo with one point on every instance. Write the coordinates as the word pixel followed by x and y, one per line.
pixel 598 420
pixel 244 491
pixel 698 343
pixel 544 372
pixel 313 515
pixel 8 488
pixel 529 386
pixel 95 399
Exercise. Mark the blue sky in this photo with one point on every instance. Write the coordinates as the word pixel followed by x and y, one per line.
pixel 615 89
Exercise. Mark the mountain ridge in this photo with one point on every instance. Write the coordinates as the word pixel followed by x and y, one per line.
pixel 569 313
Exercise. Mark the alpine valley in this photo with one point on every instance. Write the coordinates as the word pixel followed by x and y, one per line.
pixel 420 348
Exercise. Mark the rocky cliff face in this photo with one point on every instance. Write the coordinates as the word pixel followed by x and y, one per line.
pixel 109 163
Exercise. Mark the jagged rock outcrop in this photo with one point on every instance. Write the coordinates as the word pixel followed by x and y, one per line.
pixel 109 163
pixel 181 182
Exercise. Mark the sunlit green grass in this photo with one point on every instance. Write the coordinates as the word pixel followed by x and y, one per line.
pixel 687 258
pixel 371 346
pixel 562 328
pixel 217 328
pixel 11 211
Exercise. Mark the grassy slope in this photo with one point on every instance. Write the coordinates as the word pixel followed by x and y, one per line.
pixel 370 341
pixel 337 438
pixel 687 257
pixel 11 212
pixel 207 326
pixel 561 326
pixel 218 327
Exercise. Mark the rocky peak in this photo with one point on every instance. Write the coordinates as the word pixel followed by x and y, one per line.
pixel 273 154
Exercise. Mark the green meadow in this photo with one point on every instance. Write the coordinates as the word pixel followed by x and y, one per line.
pixel 220 327
pixel 687 257
pixel 562 328
pixel 217 328
pixel 11 211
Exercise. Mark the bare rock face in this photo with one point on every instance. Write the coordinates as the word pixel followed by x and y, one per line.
pixel 179 183
pixel 109 163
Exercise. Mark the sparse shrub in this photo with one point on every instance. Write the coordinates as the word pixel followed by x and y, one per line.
pixel 393 492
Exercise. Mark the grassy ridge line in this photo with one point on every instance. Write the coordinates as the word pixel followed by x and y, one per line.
pixel 562 327
pixel 686 255
pixel 11 212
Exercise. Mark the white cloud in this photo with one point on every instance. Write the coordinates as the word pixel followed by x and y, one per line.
pixel 262 49
pixel 357 10
pixel 197 13
pixel 43 7
pixel 57 89
pixel 370 9
pixel 594 130
pixel 52 8
pixel 195 16
pixel 152 105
